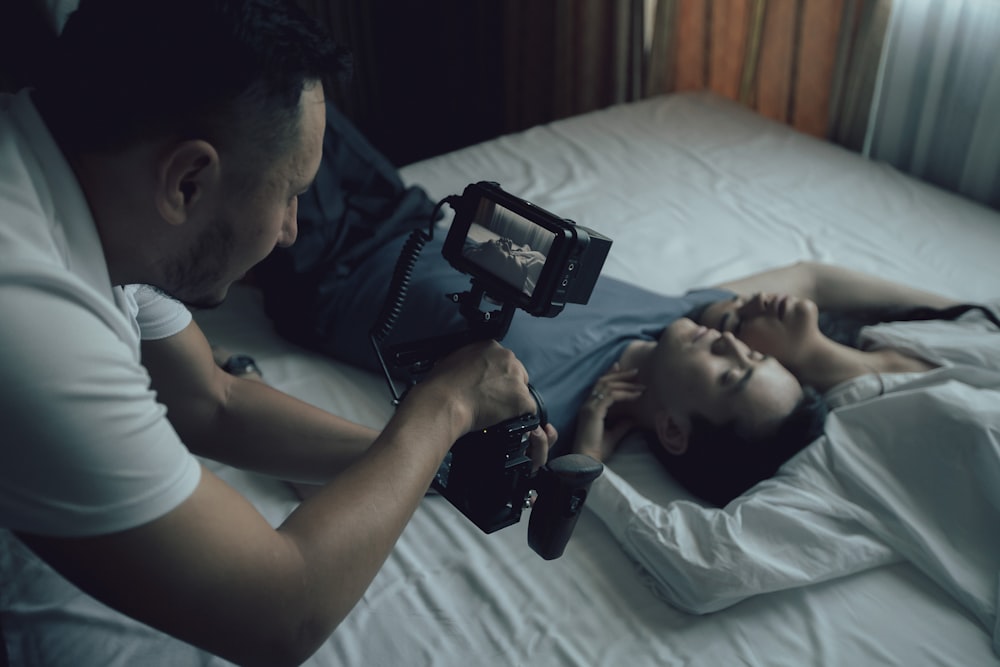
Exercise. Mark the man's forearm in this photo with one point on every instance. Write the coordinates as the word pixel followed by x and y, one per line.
pixel 213 573
pixel 246 423
pixel 244 432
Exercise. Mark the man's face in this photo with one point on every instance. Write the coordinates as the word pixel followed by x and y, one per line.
pixel 702 371
pixel 251 221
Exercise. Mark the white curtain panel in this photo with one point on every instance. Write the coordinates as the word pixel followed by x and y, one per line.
pixel 936 108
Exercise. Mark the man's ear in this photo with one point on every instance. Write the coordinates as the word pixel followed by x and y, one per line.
pixel 186 173
pixel 672 431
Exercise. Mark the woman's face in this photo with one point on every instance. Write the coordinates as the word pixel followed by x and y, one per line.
pixel 779 325
pixel 699 370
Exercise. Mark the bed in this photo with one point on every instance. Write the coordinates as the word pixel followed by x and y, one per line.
pixel 694 190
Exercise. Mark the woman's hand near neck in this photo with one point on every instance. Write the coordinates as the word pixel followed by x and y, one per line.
pixel 636 356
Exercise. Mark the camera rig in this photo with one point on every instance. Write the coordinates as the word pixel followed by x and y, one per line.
pixel 520 257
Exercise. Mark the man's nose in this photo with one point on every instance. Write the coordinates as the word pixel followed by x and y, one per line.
pixel 290 228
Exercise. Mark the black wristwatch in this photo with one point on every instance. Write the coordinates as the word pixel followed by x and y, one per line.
pixel 241 364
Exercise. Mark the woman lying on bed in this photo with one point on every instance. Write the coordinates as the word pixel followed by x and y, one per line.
pixel 820 351
pixel 908 467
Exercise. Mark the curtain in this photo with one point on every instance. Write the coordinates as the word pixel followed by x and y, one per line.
pixel 808 63
pixel 936 112
pixel 427 75
pixel 432 77
pixel 564 57
pixel 352 27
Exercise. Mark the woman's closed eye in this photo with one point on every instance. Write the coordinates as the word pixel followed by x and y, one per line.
pixel 731 322
pixel 736 379
pixel 737 376
pixel 731 376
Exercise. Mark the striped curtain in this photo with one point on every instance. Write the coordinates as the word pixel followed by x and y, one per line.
pixel 565 57
pixel 808 63
pixel 936 112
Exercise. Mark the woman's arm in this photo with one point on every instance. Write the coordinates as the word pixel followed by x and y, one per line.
pixel 836 288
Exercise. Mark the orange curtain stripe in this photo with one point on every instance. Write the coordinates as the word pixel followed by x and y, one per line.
pixel 817 60
pixel 691 27
pixel 777 58
pixel 729 20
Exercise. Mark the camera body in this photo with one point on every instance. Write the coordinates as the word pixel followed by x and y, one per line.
pixel 486 474
pixel 487 477
pixel 522 258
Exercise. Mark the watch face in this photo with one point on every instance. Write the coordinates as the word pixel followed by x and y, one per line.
pixel 240 364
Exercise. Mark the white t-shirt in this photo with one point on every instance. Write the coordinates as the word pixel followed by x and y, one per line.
pixel 85 447
pixel 908 469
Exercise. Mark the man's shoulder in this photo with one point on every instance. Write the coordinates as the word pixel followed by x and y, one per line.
pixel 26 212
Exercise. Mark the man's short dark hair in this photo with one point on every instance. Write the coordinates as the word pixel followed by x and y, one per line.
pixel 721 462
pixel 230 72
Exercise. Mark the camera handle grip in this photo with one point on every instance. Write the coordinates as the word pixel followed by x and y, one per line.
pixel 562 491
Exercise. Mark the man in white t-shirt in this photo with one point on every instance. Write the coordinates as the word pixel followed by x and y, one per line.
pixel 167 147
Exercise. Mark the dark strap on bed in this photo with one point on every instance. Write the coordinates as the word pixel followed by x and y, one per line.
pixel 948 314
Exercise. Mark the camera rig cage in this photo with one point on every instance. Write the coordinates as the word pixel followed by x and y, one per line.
pixel 520 257
pixel 563 260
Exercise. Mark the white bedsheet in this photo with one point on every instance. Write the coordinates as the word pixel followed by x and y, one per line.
pixel 694 190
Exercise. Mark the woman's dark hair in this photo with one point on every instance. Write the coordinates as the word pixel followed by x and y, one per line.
pixel 844 328
pixel 721 461
pixel 228 71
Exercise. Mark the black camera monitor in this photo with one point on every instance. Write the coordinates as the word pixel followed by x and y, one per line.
pixel 523 255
